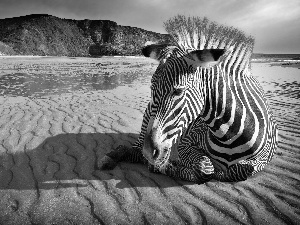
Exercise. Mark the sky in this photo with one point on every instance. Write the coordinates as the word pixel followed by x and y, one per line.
pixel 275 24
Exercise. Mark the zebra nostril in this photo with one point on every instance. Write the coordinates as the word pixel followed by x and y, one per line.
pixel 155 154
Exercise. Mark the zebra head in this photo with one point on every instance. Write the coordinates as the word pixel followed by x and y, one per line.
pixel 177 96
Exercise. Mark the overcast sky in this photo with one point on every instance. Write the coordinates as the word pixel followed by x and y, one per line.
pixel 275 24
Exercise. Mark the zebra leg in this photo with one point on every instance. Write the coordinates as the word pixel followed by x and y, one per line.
pixel 123 153
pixel 235 173
pixel 199 172
pixel 241 171
pixel 246 168
pixel 193 165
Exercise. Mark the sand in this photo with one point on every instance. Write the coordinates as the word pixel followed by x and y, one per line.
pixel 49 145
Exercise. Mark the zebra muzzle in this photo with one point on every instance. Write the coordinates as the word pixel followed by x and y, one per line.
pixel 150 149
pixel 156 149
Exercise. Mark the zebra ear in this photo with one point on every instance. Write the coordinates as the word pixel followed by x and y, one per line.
pixel 206 57
pixel 159 52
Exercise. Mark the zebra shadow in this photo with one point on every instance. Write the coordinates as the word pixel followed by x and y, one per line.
pixel 69 160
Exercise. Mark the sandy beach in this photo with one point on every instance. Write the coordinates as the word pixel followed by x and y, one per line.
pixel 59 115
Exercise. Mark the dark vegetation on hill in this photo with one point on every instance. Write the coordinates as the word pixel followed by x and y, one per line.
pixel 42 34
pixel 6 50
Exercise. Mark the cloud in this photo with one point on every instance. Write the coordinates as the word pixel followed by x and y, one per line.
pixel 269 21
pixel 264 12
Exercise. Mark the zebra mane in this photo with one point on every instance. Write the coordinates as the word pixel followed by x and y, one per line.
pixel 195 33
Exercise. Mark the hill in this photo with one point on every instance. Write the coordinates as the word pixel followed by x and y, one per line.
pixel 42 34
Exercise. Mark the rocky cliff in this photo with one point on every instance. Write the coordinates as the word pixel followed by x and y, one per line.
pixel 42 34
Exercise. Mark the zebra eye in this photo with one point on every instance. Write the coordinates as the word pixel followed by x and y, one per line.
pixel 178 91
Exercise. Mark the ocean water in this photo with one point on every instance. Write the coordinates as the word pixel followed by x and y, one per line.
pixel 275 57
pixel 37 77
pixel 43 76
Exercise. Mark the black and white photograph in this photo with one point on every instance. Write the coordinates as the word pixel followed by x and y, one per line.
pixel 129 112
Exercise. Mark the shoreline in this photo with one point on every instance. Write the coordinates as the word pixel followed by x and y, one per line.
pixel 45 56
pixel 287 64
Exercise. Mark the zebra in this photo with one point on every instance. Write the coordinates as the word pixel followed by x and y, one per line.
pixel 208 117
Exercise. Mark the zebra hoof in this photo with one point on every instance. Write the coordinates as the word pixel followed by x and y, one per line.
pixel 106 163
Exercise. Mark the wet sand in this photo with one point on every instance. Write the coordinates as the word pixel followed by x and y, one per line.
pixel 288 64
pixel 50 142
